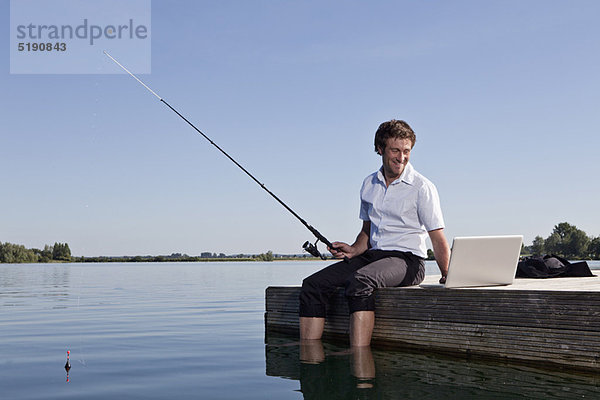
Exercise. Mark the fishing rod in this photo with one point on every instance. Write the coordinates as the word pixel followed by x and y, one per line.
pixel 307 246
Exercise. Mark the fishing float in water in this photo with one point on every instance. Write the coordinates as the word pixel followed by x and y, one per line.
pixel 68 364
pixel 307 246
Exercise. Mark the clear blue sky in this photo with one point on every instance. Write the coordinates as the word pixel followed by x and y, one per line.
pixel 503 95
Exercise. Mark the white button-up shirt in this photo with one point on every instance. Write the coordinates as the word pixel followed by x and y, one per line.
pixel 401 214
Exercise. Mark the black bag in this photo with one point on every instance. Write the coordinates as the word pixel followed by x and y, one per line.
pixel 551 266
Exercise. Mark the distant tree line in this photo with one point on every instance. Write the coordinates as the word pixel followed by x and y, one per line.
pixel 178 257
pixel 16 253
pixel 568 241
pixel 60 252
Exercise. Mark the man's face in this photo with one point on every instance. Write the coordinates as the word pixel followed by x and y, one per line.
pixel 395 157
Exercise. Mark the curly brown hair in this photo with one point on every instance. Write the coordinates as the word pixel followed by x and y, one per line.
pixel 393 129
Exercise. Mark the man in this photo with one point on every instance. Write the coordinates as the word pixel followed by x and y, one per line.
pixel 399 209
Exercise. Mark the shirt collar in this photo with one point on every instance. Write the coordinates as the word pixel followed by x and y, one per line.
pixel 407 176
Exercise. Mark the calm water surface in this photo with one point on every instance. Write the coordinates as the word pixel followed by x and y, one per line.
pixel 196 330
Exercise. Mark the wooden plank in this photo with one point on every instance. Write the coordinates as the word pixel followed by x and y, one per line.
pixel 396 303
pixel 490 341
pixel 390 329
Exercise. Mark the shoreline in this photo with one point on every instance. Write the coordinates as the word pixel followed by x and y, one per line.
pixel 162 259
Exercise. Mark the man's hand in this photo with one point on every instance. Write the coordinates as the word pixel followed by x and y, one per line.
pixel 360 245
pixel 342 250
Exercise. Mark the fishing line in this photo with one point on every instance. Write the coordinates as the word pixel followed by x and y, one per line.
pixel 309 247
pixel 81 355
pixel 75 316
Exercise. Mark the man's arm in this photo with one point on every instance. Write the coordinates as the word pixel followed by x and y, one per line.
pixel 360 245
pixel 441 250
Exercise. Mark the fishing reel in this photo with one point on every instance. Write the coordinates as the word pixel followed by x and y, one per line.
pixel 312 249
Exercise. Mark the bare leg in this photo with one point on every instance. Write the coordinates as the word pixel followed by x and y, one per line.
pixel 311 351
pixel 311 328
pixel 363 366
pixel 361 328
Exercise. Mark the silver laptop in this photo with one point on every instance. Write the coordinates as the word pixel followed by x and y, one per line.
pixel 483 261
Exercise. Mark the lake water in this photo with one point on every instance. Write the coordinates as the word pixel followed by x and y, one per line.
pixel 196 330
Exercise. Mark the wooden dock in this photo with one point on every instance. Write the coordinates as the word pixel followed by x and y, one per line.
pixel 550 322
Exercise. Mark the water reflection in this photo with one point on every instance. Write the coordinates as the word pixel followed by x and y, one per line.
pixel 326 371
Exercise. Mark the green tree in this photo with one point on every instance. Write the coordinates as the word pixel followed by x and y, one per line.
pixel 537 247
pixel 552 244
pixel 430 255
pixel 568 241
pixel 46 254
pixel 594 248
pixel 16 253
pixel 268 256
pixel 577 244
pixel 61 252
